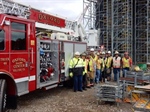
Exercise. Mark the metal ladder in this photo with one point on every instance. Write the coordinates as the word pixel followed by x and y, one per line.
pixel 13 8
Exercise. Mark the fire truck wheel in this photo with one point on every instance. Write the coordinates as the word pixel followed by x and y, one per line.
pixel 3 95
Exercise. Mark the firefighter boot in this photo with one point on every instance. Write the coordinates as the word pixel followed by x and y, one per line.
pixel 88 83
pixel 91 82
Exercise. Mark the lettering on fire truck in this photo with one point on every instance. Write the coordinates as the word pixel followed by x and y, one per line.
pixel 43 16
pixel 46 18
pixel 4 60
pixel 19 64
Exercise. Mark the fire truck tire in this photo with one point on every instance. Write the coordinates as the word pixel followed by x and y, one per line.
pixel 3 95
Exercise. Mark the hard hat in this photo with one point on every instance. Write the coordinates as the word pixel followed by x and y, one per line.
pixel 98 53
pixel 116 52
pixel 109 52
pixel 92 49
pixel 103 52
pixel 126 53
pixel 77 53
pixel 86 52
pixel 83 54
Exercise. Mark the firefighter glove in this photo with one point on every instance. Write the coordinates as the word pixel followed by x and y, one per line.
pixel 70 70
pixel 71 74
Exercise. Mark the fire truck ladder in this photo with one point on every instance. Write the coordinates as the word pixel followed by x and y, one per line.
pixel 13 8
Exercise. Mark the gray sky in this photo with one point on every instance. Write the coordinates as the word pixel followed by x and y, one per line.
pixel 71 9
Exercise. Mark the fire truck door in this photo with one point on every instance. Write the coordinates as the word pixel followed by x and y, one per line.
pixel 4 45
pixel 20 55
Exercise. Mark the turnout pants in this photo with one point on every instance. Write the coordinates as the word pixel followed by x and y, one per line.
pixel 104 75
pixel 84 81
pixel 90 78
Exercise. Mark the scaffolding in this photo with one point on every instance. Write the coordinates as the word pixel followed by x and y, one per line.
pixel 148 31
pixel 103 22
pixel 122 25
pixel 108 41
pixel 125 26
pixel 141 32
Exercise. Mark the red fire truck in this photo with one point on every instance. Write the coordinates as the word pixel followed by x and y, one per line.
pixel 35 49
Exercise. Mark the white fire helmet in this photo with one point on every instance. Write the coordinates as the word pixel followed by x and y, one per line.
pixel 98 53
pixel 103 52
pixel 92 49
pixel 109 52
pixel 77 53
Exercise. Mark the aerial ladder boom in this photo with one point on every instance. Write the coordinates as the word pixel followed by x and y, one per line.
pixel 73 28
pixel 80 31
pixel 10 7
pixel 13 8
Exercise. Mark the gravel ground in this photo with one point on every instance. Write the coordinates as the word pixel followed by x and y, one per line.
pixel 65 100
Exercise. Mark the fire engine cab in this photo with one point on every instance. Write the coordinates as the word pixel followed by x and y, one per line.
pixel 35 50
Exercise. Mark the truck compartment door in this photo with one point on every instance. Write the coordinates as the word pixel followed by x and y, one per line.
pixel 47 63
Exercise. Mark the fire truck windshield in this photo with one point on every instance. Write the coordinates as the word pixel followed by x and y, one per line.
pixel 2 39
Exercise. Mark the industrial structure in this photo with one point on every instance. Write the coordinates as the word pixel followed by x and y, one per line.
pixel 123 24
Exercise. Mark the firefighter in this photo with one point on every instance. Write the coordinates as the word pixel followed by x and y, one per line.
pixel 116 65
pixel 98 68
pixel 85 61
pixel 88 70
pixel 92 64
pixel 76 68
pixel 103 66
pixel 108 65
pixel 101 57
pixel 126 63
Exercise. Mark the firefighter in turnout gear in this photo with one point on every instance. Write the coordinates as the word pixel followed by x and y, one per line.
pixel 88 70
pixel 92 65
pixel 116 65
pixel 85 61
pixel 126 63
pixel 108 65
pixel 99 63
pixel 103 67
pixel 76 68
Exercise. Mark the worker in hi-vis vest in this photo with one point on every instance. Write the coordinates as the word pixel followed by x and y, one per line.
pixel 126 63
pixel 103 71
pixel 108 65
pixel 85 61
pixel 76 68
pixel 117 65
pixel 99 63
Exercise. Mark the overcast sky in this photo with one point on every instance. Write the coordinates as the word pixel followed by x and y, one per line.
pixel 71 9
